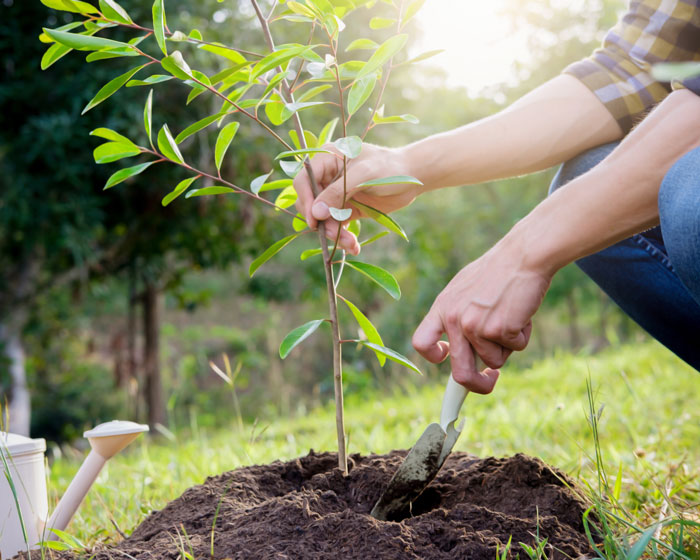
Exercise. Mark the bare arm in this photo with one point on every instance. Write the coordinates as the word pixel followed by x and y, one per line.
pixel 489 304
pixel 547 126
pixel 619 196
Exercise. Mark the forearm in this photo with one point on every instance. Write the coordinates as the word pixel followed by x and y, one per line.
pixel 618 197
pixel 549 125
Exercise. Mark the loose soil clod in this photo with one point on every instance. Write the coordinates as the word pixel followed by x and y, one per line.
pixel 306 509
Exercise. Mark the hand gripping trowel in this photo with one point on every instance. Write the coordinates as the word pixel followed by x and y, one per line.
pixel 425 458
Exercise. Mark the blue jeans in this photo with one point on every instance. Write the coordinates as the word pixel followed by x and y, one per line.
pixel 654 276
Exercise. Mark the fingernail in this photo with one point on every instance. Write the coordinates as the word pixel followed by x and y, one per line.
pixel 320 211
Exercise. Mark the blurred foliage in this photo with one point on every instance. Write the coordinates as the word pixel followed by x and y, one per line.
pixel 53 213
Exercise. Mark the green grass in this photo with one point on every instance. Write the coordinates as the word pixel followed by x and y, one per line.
pixel 648 436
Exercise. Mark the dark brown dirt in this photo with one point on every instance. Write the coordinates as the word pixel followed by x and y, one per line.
pixel 306 509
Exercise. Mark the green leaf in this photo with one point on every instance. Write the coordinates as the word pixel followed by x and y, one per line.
pixel 196 127
pixel 286 198
pixel 176 65
pixel 111 53
pixel 181 187
pixel 273 83
pixel 271 252
pixel 354 227
pixel 277 58
pixel 54 53
pixel 386 50
pixel 360 92
pixel 82 42
pixel 195 34
pixel 299 223
pixel 273 110
pixel 301 9
pixel 109 134
pixel 257 183
pixel 208 191
pixel 124 174
pixel 617 489
pixel 111 10
pixel 302 152
pixel 393 355
pixel 113 151
pixel 340 214
pixel 377 119
pixel 374 238
pixel 313 92
pixel 393 180
pixel 381 23
pixel 159 25
pixel 378 275
pixel 74 6
pixel 274 185
pixel 225 52
pixel 151 80
pixel 424 56
pixel 168 146
pixel 635 553
pixel 327 132
pixel 310 253
pixel 381 218
pixel 411 11
pixel 223 141
pixel 291 168
pixel 44 38
pixel 358 44
pixel 349 146
pixel 368 328
pixel 290 108
pixel 148 116
pixel 298 335
pixel 110 88
pixel 323 7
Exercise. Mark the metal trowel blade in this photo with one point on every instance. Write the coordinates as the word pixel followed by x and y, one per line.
pixel 418 469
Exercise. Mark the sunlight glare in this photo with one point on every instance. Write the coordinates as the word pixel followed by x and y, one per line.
pixel 480 45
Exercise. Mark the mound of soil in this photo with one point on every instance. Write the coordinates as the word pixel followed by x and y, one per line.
pixel 306 509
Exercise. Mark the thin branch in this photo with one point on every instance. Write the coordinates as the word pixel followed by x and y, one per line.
pixel 238 189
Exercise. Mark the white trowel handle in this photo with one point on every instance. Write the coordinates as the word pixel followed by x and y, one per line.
pixel 452 402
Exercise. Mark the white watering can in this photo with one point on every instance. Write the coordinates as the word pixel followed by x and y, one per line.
pixel 24 457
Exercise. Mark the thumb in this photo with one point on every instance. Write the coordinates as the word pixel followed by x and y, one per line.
pixel 333 195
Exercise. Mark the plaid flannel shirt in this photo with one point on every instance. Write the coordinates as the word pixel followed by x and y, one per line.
pixel 650 31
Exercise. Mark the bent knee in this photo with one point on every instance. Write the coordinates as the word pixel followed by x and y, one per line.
pixel 679 188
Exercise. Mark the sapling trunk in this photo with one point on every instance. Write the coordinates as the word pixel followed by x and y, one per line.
pixel 327 265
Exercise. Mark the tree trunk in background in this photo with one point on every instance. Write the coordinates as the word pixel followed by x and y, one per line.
pixel 20 401
pixel 155 404
pixel 574 334
pixel 133 387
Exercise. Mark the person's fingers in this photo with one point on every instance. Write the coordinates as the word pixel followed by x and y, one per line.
pixel 324 168
pixel 347 241
pixel 464 365
pixel 426 339
pixel 493 354
pixel 338 192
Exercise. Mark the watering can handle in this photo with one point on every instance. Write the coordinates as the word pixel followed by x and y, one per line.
pixel 452 402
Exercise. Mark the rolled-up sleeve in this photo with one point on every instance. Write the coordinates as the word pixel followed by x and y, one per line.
pixel 619 73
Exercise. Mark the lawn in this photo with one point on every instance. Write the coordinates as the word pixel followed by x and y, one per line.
pixel 649 434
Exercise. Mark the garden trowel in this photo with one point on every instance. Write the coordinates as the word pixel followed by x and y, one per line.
pixel 425 458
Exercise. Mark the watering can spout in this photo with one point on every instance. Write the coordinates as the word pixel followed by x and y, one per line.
pixel 106 440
